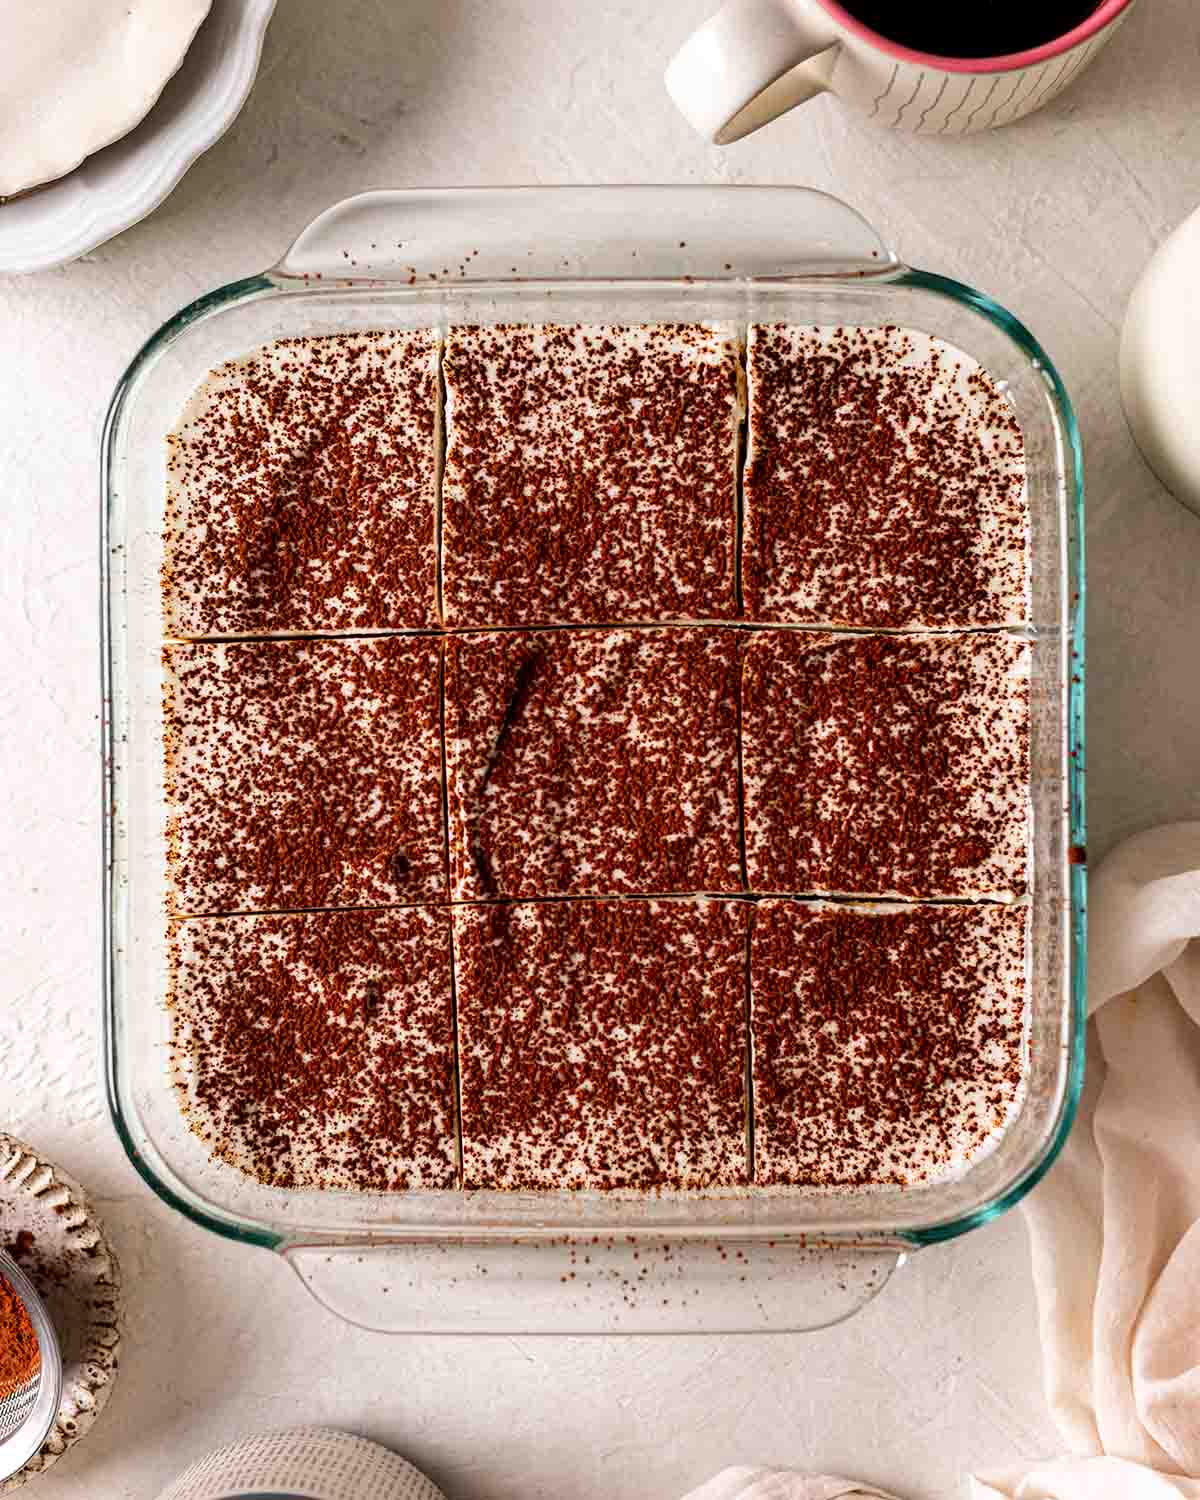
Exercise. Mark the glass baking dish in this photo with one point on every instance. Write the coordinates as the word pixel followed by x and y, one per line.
pixel 479 1262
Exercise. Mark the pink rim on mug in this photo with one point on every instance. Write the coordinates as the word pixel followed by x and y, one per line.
pixel 1095 23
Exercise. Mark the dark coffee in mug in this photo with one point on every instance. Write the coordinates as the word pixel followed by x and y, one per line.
pixel 971 28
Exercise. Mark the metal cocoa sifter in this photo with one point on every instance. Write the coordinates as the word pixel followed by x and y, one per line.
pixel 29 1402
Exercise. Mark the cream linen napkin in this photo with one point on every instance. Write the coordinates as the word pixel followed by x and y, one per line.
pixel 1115 1227
pixel 783 1484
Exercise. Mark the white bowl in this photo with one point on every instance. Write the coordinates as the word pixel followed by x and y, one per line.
pixel 129 179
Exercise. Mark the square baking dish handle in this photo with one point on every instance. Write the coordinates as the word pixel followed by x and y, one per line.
pixel 454 236
pixel 594 1283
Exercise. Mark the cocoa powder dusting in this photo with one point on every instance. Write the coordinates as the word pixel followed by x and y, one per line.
pixel 602 1044
pixel 598 761
pixel 885 483
pixel 886 764
pixel 316 1049
pixel 888 1043
pixel 590 474
pixel 327 925
pixel 20 1357
pixel 301 490
pixel 304 773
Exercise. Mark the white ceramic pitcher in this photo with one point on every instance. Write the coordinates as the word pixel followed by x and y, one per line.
pixel 1160 363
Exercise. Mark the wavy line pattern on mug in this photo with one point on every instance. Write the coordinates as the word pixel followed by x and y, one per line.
pixel 1083 58
pixel 932 106
pixel 890 83
pixel 972 80
pixel 1004 103
pixel 912 96
pixel 984 101
pixel 1051 87
pixel 1033 79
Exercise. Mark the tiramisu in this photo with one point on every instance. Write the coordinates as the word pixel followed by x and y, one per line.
pixel 301 490
pixel 550 749
pixel 888 1043
pixel 591 474
pixel 602 1044
pixel 315 1050
pixel 303 773
pixel 592 761
pixel 888 765
pixel 885 483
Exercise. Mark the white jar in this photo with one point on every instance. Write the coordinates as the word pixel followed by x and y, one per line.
pixel 1160 363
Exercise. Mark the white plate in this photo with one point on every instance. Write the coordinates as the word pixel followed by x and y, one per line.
pixel 129 179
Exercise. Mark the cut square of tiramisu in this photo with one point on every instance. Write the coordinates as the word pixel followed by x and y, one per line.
pixel 315 1050
pixel 885 483
pixel 301 484
pixel 602 1044
pixel 889 1043
pixel 303 773
pixel 887 765
pixel 591 474
pixel 600 761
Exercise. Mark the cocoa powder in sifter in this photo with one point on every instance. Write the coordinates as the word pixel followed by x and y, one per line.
pixel 20 1357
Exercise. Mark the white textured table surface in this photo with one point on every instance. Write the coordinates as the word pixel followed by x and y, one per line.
pixel 1055 217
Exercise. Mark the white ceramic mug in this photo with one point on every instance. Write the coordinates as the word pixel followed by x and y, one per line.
pixel 757 58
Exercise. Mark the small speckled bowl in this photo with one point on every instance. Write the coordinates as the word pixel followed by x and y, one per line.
pixel 50 1230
